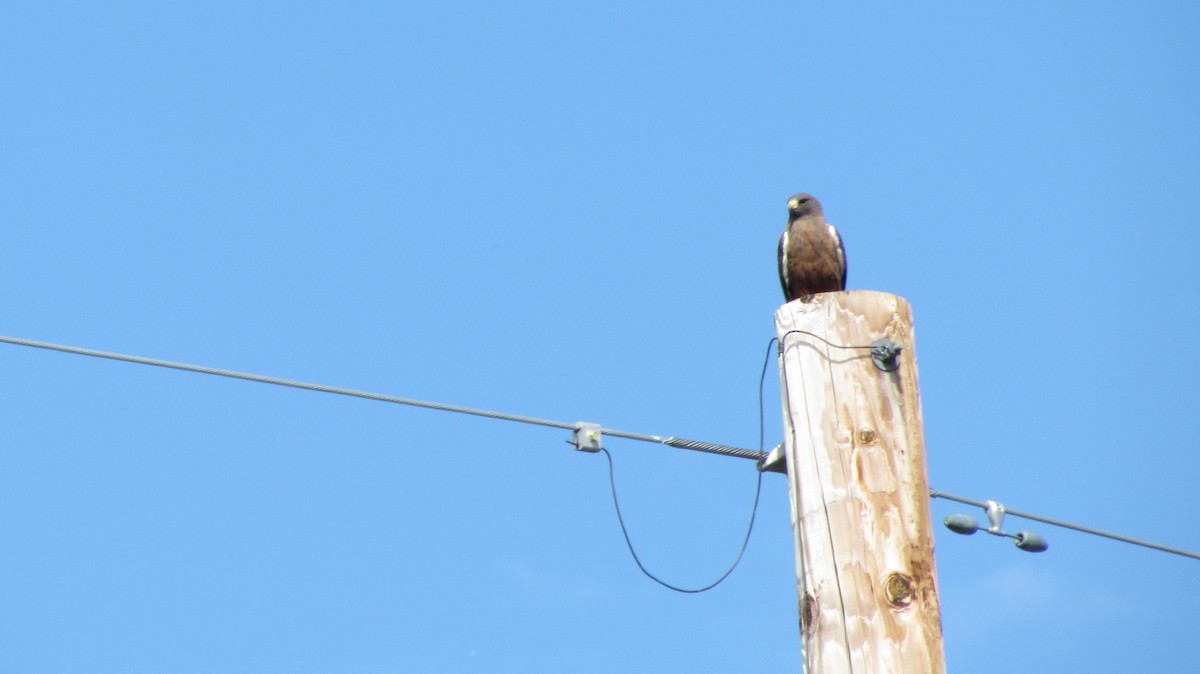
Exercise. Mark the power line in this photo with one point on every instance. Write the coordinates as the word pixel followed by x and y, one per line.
pixel 1069 525
pixel 679 443
pixel 671 441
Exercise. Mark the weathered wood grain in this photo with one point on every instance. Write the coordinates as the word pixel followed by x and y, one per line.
pixel 859 489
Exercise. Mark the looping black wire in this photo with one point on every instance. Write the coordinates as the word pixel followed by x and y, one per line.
pixel 829 343
pixel 753 511
pixel 762 378
pixel 629 543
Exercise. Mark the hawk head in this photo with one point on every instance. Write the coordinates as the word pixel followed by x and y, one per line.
pixel 802 205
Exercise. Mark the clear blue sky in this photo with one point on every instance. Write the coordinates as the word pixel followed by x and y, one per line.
pixel 569 210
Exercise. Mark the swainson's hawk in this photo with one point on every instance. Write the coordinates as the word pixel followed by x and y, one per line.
pixel 811 256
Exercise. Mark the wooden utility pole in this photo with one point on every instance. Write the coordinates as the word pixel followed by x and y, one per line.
pixel 855 455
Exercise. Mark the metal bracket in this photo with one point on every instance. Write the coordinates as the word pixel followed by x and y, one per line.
pixel 776 461
pixel 886 354
pixel 587 437
pixel 995 514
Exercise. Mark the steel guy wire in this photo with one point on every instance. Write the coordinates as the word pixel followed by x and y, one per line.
pixel 680 443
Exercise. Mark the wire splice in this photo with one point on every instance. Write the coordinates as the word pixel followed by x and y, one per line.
pixel 587 437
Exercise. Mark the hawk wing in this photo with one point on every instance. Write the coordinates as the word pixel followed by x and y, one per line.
pixel 783 263
pixel 841 251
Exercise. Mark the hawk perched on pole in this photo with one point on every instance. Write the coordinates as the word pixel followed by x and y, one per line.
pixel 811 256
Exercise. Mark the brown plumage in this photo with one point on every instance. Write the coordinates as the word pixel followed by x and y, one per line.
pixel 811 256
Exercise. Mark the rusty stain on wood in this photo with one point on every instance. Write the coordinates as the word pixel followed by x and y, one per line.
pixel 855 454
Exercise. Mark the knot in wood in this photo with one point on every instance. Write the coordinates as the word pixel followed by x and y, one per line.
pixel 900 589
pixel 808 613
pixel 866 435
